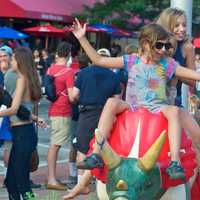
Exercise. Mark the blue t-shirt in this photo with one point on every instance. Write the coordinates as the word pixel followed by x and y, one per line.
pixel 96 85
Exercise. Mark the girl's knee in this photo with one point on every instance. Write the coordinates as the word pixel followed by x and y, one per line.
pixel 174 110
pixel 112 103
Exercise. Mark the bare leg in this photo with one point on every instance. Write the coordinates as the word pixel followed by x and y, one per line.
pixel 6 153
pixel 172 113
pixel 190 125
pixel 73 154
pixel 72 162
pixel 112 107
pixel 84 182
pixel 52 158
pixel 80 156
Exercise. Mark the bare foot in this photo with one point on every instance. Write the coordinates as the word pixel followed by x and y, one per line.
pixel 68 196
pixel 72 193
pixel 85 191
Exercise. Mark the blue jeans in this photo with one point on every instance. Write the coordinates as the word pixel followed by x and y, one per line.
pixel 18 176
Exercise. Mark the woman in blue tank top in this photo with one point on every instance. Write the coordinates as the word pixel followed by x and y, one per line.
pixel 23 132
pixel 174 20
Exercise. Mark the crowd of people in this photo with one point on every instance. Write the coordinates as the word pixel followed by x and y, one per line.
pixel 92 88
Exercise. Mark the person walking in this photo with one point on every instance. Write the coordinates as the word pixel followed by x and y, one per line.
pixel 60 111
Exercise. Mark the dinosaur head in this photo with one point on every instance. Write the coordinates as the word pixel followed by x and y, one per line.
pixel 130 178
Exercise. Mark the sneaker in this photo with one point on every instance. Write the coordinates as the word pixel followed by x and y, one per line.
pixel 34 185
pixel 71 181
pixel 91 162
pixel 175 170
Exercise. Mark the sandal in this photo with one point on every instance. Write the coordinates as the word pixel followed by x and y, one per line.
pixel 175 170
pixel 91 162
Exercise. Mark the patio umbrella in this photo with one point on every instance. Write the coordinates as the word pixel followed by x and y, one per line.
pixel 46 30
pixel 110 29
pixel 100 28
pixel 196 42
pixel 121 33
pixel 9 33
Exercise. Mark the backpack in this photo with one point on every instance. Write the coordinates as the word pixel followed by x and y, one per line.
pixel 50 89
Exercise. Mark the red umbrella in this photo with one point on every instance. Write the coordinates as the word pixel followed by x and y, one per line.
pixel 94 29
pixel 121 32
pixel 196 42
pixel 46 30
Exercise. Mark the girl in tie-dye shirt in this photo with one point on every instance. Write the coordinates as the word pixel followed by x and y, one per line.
pixel 148 76
pixel 147 82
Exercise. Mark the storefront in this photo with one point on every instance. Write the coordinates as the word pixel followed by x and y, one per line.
pixel 21 14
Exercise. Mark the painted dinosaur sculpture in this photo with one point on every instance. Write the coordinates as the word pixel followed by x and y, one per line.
pixel 137 156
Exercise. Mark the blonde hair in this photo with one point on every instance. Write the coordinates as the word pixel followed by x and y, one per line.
pixel 173 42
pixel 131 48
pixel 168 19
pixel 150 34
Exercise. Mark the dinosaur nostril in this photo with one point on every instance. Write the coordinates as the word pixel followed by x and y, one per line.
pixel 122 185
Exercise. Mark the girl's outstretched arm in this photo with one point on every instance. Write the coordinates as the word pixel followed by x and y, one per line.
pixel 189 53
pixel 108 62
pixel 183 72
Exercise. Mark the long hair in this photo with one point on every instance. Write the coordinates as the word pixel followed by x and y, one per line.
pixel 24 58
pixel 149 34
pixel 169 17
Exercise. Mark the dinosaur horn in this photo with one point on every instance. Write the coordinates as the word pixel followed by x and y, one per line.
pixel 148 160
pixel 111 159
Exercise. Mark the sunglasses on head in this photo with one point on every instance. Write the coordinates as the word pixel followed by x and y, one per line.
pixel 160 45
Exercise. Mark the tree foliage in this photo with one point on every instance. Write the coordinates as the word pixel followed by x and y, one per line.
pixel 119 12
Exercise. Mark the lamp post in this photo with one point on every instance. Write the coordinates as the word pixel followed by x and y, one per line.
pixel 185 5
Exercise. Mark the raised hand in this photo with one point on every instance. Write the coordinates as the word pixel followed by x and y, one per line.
pixel 77 29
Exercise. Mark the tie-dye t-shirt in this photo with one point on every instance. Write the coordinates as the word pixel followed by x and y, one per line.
pixel 147 82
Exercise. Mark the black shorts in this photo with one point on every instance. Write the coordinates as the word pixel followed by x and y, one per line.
pixel 87 122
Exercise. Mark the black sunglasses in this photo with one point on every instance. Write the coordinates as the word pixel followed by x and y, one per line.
pixel 160 45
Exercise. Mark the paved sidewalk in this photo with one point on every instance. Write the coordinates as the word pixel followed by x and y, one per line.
pixel 40 177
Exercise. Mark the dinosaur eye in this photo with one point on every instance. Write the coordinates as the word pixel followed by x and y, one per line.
pixel 122 185
pixel 147 184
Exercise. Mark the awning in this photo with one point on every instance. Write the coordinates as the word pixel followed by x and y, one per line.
pixel 53 10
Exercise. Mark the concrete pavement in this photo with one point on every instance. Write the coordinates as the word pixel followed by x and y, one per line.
pixel 40 176
pixel 43 194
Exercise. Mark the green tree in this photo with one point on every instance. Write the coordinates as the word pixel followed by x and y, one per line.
pixel 119 12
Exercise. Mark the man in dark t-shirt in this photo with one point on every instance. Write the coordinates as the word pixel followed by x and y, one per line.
pixel 94 85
